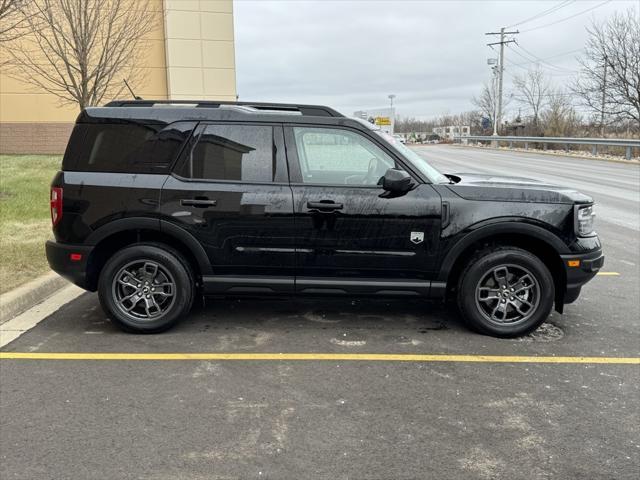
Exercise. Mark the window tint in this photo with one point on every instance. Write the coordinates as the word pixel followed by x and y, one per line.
pixel 232 152
pixel 125 147
pixel 339 157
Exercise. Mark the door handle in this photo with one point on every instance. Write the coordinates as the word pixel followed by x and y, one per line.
pixel 324 205
pixel 198 202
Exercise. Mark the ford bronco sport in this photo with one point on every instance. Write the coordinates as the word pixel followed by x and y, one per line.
pixel 160 202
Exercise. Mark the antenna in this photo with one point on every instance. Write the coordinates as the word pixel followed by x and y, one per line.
pixel 132 94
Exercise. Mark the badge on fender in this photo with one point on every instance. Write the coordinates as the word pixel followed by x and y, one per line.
pixel 417 237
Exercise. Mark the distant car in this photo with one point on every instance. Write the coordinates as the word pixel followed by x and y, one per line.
pixel 400 138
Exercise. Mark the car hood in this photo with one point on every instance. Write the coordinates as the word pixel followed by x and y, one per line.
pixel 474 186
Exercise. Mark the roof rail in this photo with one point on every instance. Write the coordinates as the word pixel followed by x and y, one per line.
pixel 260 107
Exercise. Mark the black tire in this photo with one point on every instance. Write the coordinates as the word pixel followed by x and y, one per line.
pixel 489 307
pixel 130 271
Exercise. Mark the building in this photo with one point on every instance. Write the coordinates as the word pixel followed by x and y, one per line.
pixel 452 131
pixel 191 54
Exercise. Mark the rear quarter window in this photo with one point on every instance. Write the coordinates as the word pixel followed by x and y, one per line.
pixel 126 148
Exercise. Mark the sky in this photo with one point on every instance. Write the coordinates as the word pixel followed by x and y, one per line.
pixel 431 54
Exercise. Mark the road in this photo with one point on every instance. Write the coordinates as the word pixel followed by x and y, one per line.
pixel 614 186
pixel 342 419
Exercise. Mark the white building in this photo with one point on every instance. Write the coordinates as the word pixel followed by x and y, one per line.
pixel 452 131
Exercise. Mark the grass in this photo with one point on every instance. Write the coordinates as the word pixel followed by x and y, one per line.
pixel 25 222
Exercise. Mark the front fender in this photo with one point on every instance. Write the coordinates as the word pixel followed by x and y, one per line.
pixel 504 226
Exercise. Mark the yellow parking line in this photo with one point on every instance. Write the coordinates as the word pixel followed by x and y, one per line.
pixel 608 274
pixel 370 357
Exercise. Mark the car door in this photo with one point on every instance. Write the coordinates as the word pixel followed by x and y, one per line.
pixel 230 190
pixel 351 235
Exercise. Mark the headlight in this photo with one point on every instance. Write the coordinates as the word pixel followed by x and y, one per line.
pixel 584 221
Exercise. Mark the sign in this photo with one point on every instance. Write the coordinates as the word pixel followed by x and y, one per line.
pixel 383 121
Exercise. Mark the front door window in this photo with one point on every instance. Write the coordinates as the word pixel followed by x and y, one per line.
pixel 339 157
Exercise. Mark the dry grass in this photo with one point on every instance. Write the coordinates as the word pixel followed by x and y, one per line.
pixel 25 223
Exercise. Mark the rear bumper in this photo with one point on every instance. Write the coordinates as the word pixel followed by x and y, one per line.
pixel 70 262
pixel 589 264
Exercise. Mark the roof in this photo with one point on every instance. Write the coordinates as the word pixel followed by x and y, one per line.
pixel 249 107
pixel 168 111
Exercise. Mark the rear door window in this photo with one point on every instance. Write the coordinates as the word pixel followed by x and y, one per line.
pixel 135 148
pixel 235 153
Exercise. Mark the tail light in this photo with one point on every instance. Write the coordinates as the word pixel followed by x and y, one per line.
pixel 56 205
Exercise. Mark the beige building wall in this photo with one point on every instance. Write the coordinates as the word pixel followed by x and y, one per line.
pixel 190 55
pixel 200 49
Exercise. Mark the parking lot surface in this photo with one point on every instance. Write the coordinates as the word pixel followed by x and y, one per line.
pixel 339 418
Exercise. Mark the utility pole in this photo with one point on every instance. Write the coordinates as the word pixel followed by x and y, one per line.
pixel 502 43
pixel 604 89
pixel 391 97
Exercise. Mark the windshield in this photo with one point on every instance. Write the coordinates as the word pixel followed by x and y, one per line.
pixel 416 160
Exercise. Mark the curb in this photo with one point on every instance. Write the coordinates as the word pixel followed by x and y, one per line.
pixel 16 301
pixel 553 154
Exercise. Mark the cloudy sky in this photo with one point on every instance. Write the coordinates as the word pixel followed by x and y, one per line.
pixel 431 54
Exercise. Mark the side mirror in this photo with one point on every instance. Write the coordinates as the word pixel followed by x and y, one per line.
pixel 396 181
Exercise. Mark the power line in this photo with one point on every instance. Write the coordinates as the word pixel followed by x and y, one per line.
pixel 541 60
pixel 566 18
pixel 544 12
pixel 552 56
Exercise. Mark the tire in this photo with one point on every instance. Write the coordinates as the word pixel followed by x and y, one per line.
pixel 146 288
pixel 505 292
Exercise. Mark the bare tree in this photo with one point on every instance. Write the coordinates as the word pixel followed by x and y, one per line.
pixel 560 118
pixel 609 80
pixel 531 90
pixel 11 19
pixel 81 50
pixel 486 101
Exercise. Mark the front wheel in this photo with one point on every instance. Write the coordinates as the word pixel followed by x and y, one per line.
pixel 505 292
pixel 146 288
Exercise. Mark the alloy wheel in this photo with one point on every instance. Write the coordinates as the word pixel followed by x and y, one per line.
pixel 508 294
pixel 144 290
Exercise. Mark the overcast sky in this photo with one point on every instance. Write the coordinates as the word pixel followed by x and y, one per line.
pixel 431 54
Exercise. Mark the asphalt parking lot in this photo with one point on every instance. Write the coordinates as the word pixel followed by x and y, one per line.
pixel 232 413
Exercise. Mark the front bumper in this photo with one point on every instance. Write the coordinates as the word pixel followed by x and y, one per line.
pixel 70 262
pixel 579 269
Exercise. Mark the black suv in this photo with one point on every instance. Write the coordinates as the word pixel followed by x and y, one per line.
pixel 158 202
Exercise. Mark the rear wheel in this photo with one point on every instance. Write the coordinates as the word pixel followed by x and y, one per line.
pixel 505 292
pixel 146 288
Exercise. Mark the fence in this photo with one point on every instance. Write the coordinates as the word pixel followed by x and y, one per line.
pixel 629 144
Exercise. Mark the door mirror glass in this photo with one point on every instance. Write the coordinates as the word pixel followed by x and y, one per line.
pixel 396 181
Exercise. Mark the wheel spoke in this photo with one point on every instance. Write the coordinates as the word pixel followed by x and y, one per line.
pixel 133 303
pixel 489 294
pixel 151 269
pixel 501 278
pixel 518 306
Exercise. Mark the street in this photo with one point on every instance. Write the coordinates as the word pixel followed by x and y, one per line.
pixel 345 419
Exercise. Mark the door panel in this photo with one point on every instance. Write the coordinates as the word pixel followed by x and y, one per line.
pixel 349 228
pixel 370 236
pixel 245 226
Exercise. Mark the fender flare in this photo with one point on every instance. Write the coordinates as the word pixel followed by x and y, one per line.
pixel 504 227
pixel 158 225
